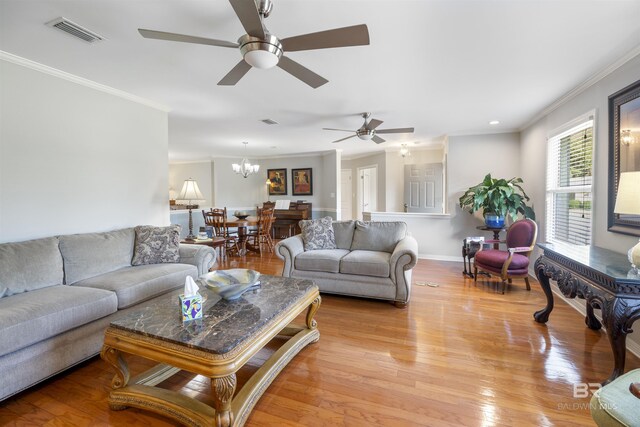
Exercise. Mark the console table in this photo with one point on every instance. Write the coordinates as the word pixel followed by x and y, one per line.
pixel 604 279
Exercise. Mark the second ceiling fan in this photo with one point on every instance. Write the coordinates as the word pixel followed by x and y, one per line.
pixel 261 49
pixel 369 131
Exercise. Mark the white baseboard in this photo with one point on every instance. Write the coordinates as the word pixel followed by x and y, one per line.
pixel 449 258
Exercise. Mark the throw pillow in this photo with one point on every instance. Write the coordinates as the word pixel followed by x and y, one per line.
pixel 156 245
pixel 317 234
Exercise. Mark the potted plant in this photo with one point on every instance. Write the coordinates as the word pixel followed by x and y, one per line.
pixel 497 198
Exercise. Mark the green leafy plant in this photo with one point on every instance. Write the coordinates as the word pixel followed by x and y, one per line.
pixel 498 196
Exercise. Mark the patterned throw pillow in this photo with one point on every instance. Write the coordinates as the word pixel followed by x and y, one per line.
pixel 156 245
pixel 317 234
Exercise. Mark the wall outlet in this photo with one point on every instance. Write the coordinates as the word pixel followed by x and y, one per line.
pixel 332 195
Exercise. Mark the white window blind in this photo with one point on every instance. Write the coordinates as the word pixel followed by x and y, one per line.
pixel 569 181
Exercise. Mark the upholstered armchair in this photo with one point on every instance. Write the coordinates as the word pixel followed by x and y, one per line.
pixel 512 262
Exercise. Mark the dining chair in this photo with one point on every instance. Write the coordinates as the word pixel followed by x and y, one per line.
pixel 262 234
pixel 217 219
pixel 513 262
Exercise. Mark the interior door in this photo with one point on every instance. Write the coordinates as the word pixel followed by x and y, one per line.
pixel 423 188
pixel 367 190
pixel 346 190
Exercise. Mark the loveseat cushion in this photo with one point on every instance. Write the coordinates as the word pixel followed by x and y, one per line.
pixel 378 236
pixel 30 265
pixel 136 284
pixel 366 263
pixel 343 232
pixel 320 260
pixel 92 254
pixel 31 317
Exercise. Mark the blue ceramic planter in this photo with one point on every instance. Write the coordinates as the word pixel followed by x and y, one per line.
pixel 493 221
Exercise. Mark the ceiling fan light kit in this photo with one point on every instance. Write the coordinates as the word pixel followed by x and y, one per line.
pixel 261 49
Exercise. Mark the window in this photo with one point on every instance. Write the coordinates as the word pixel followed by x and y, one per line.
pixel 569 180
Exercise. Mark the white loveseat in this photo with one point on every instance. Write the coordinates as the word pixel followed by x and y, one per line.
pixel 372 260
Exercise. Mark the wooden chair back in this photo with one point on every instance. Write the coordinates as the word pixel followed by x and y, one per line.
pixel 217 219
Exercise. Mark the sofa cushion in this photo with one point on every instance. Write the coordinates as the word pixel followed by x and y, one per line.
pixel 320 260
pixel 92 254
pixel 317 234
pixel 135 284
pixel 365 263
pixel 31 317
pixel 343 231
pixel 30 265
pixel 378 236
pixel 156 245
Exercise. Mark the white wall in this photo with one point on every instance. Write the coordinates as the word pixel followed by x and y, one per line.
pixel 75 159
pixel 377 160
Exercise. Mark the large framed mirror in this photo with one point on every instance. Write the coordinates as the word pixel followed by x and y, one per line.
pixel 624 151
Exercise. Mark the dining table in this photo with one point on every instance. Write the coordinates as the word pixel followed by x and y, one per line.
pixel 242 224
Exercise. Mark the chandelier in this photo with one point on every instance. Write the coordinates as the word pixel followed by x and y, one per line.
pixel 245 168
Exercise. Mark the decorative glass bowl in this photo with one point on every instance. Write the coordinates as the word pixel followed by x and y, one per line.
pixel 241 214
pixel 231 284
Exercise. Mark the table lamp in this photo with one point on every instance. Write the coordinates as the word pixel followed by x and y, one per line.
pixel 628 202
pixel 190 193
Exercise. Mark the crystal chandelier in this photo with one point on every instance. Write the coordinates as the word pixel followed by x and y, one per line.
pixel 404 151
pixel 245 168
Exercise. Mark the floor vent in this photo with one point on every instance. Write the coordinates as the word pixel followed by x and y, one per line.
pixel 75 30
pixel 269 122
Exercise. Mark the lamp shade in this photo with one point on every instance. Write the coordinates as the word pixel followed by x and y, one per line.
pixel 190 192
pixel 628 197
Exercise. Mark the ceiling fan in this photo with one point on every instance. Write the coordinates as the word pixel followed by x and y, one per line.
pixel 368 130
pixel 261 49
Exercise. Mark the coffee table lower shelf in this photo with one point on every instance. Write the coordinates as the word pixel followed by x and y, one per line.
pixel 230 408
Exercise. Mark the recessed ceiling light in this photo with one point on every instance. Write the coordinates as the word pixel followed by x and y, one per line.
pixel 494 122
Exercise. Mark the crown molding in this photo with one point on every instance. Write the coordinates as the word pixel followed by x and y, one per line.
pixel 18 60
pixel 583 86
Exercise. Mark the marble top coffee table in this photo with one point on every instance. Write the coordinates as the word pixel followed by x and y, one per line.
pixel 216 346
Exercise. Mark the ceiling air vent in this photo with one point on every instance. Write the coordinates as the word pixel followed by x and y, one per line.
pixel 75 30
pixel 269 122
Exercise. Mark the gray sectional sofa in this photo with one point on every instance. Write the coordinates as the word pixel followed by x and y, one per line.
pixel 372 260
pixel 58 295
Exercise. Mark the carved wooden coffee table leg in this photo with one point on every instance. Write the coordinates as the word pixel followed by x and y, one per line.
pixel 313 308
pixel 114 358
pixel 223 389
pixel 618 316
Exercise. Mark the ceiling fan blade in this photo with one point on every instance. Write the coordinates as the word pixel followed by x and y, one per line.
pixel 377 139
pixel 357 35
pixel 235 74
pixel 374 123
pixel 396 130
pixel 302 73
pixel 247 12
pixel 340 140
pixel 341 130
pixel 162 35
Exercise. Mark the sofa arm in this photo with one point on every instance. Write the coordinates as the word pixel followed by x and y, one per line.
pixel 288 250
pixel 201 256
pixel 403 259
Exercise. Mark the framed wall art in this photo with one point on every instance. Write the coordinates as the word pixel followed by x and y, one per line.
pixel 302 180
pixel 278 178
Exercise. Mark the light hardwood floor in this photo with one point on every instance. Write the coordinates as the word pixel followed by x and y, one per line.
pixel 459 355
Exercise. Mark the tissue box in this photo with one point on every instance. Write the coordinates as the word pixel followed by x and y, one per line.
pixel 191 307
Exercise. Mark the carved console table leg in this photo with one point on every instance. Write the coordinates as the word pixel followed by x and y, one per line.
pixel 542 316
pixel 311 312
pixel 223 389
pixel 618 316
pixel 114 358
pixel 591 320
